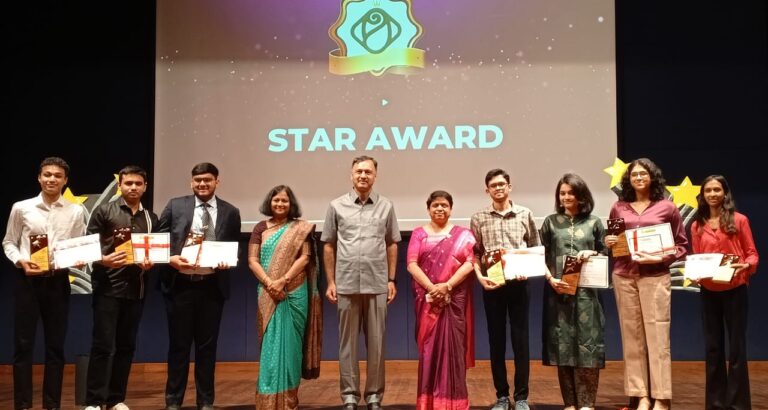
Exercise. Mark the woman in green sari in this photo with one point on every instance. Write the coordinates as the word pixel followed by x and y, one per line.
pixel 281 254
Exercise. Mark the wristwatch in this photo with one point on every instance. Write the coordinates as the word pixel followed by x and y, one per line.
pixel 392 280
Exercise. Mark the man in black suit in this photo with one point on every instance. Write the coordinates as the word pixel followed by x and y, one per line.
pixel 194 295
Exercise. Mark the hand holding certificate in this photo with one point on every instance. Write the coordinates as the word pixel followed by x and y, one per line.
pixel 76 251
pixel 524 263
pixel 210 254
pixel 655 240
pixel 154 247
pixel 215 253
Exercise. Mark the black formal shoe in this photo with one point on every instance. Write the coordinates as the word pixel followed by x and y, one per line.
pixel 349 406
pixel 374 406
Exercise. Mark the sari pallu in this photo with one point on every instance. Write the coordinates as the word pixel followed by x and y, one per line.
pixel 445 333
pixel 289 329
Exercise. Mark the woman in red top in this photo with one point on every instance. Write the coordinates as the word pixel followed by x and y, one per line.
pixel 718 228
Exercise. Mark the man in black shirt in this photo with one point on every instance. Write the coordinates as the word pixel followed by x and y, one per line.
pixel 118 291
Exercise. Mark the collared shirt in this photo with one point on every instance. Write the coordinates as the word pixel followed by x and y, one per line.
pixel 361 232
pixel 59 220
pixel 197 227
pixel 126 282
pixel 657 212
pixel 494 231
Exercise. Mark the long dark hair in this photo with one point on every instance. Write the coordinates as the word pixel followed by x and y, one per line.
pixel 580 191
pixel 727 210
pixel 657 181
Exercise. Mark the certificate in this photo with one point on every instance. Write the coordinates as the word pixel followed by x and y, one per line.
pixel 70 252
pixel 214 252
pixel 528 262
pixel 702 265
pixel 655 240
pixel 153 246
pixel 594 273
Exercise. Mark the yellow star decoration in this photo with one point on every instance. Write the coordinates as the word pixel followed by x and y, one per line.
pixel 616 171
pixel 117 181
pixel 685 193
pixel 69 196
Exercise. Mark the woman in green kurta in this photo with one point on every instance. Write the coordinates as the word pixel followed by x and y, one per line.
pixel 573 324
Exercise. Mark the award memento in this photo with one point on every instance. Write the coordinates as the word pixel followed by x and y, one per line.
pixel 122 241
pixel 724 273
pixel 616 226
pixel 496 273
pixel 192 247
pixel 38 249
pixel 571 273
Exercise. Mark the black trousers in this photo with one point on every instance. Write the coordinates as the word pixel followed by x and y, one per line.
pixel 115 324
pixel 510 300
pixel 726 312
pixel 45 298
pixel 194 314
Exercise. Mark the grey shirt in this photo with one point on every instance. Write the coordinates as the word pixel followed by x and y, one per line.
pixel 361 232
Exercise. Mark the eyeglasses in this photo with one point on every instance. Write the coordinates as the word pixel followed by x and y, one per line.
pixel 498 185
pixel 639 174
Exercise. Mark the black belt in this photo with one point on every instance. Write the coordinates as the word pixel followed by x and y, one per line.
pixel 51 273
pixel 195 277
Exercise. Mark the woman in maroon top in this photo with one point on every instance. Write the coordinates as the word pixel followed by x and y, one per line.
pixel 643 287
pixel 718 228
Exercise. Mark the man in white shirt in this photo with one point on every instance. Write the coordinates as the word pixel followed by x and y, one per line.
pixel 41 292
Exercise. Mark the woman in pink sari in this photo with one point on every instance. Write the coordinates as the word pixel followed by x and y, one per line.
pixel 440 259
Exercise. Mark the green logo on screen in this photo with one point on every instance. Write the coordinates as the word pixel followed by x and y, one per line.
pixel 375 36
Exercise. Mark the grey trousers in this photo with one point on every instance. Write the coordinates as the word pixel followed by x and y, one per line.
pixel 369 313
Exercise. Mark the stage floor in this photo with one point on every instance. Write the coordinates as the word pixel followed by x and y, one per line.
pixel 235 386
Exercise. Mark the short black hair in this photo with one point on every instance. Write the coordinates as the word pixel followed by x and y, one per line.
pixel 364 158
pixel 494 173
pixel 658 183
pixel 294 211
pixel 580 191
pixel 439 194
pixel 133 170
pixel 205 168
pixel 56 161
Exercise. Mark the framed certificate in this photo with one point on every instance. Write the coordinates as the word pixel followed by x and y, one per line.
pixel 69 252
pixel 594 273
pixel 528 262
pixel 154 246
pixel 655 240
pixel 701 265
pixel 214 252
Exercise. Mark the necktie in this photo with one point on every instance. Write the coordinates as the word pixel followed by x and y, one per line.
pixel 209 230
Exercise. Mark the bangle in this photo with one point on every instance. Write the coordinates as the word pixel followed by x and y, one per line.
pixel 450 288
pixel 287 279
pixel 392 280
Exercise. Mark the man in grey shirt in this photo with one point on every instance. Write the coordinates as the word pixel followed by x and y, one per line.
pixel 360 256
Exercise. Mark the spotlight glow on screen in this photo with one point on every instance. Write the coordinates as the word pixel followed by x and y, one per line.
pixel 438 91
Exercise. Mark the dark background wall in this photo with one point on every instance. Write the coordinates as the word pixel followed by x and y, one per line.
pixel 693 95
